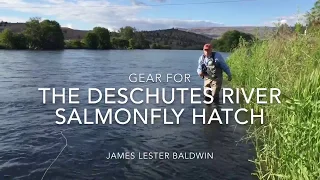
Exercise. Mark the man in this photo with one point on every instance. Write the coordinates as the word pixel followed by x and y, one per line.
pixel 210 68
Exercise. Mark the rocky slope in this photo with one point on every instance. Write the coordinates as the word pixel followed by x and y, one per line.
pixel 216 32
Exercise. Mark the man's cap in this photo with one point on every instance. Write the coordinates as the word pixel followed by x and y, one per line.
pixel 207 46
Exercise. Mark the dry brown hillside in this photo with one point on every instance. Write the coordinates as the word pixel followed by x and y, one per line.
pixel 68 33
pixel 15 27
pixel 216 32
pixel 73 33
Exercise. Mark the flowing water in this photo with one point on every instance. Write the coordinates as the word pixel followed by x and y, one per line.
pixel 30 139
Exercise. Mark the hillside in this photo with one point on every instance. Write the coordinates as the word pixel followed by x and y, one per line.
pixel 216 32
pixel 176 39
pixel 15 27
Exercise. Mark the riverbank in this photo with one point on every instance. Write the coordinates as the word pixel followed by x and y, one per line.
pixel 288 143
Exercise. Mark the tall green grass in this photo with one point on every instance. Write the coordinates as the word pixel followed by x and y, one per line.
pixel 288 143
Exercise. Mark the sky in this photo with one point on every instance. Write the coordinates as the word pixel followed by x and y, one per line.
pixel 157 14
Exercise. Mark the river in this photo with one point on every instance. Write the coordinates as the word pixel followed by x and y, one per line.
pixel 30 139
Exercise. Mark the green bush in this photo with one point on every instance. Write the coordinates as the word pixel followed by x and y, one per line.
pixel 74 44
pixel 159 46
pixel 230 40
pixel 91 40
pixel 10 40
pixel 103 35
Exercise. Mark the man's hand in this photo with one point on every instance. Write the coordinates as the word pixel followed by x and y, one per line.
pixel 229 78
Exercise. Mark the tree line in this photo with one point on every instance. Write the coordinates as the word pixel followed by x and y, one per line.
pixel 48 35
pixel 101 38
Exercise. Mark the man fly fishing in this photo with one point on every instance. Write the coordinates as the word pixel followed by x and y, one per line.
pixel 210 68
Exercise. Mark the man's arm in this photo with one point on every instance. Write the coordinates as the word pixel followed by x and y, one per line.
pixel 199 69
pixel 224 66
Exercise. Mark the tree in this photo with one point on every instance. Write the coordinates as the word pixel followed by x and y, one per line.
pixel 218 44
pixel 123 43
pixel 313 17
pixel 114 42
pixel 52 35
pixel 119 43
pixel 7 39
pixel 103 37
pixel 33 33
pixel 114 34
pixel 230 40
pixel 154 46
pixel 139 41
pixel 91 40
pixel 284 29
pixel 74 44
pixel 10 40
pixel 46 35
pixel 20 41
pixel 298 28
pixel 132 43
pixel 127 32
pixel 159 46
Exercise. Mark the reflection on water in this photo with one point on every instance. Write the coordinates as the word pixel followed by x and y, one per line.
pixel 30 140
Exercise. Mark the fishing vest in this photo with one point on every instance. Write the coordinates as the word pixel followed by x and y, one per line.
pixel 213 69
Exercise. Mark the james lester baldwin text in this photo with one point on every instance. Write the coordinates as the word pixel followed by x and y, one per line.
pixel 160 155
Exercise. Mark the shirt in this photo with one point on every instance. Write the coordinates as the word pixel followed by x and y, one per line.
pixel 218 59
